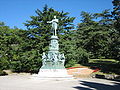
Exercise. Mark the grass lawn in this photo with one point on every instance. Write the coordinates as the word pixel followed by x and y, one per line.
pixel 108 66
pixel 103 61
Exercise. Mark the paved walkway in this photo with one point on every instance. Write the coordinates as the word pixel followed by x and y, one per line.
pixel 24 82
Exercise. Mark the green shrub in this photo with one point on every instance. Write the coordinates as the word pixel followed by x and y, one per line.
pixel 2 73
pixel 29 61
pixel 79 56
pixel 4 63
pixel 82 56
pixel 16 66
pixel 70 63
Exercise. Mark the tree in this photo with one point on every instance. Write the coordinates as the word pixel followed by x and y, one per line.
pixel 94 36
pixel 116 34
pixel 39 29
pixel 4 46
pixel 116 14
pixel 9 40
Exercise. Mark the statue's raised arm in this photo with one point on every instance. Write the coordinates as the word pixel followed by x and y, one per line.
pixel 54 25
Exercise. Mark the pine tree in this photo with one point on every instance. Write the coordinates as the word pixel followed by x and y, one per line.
pixel 116 14
pixel 94 36
pixel 40 30
pixel 116 34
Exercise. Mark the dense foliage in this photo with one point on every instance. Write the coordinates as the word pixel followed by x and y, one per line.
pixel 96 36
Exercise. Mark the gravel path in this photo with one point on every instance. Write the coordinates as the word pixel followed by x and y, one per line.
pixel 25 82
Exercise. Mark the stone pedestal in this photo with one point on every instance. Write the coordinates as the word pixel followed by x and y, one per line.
pixel 53 73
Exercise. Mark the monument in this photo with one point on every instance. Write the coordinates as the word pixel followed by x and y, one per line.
pixel 53 61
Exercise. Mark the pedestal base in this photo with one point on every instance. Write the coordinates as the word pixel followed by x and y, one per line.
pixel 53 74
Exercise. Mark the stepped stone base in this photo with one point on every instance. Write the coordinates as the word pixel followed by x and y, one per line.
pixel 53 73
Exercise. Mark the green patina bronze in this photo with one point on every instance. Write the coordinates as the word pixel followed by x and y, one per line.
pixel 53 59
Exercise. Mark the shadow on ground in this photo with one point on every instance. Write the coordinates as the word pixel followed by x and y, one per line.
pixel 85 85
pixel 105 67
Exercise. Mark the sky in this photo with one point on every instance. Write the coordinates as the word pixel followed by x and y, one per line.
pixel 17 12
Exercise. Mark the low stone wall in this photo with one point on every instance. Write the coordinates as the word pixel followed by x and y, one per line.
pixel 107 76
